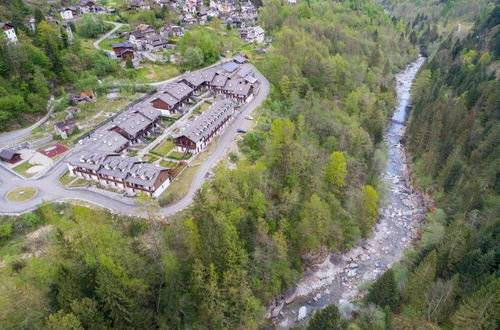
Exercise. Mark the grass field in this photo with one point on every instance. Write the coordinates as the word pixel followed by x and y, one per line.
pixel 66 178
pixel 21 194
pixel 157 72
pixel 180 187
pixel 23 168
pixel 179 155
pixel 107 43
pixel 204 106
pixel 163 148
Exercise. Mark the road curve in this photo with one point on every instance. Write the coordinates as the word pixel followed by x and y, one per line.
pixel 49 188
pixel 98 41
pixel 15 136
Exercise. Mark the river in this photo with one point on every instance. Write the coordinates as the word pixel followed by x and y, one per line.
pixel 339 278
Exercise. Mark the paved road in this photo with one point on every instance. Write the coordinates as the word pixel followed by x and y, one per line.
pixel 49 188
pixel 16 136
pixel 98 41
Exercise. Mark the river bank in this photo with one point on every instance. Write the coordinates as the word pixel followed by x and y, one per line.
pixel 339 278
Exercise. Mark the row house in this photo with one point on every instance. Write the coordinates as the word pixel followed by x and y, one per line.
pixel 135 126
pixel 110 141
pixel 204 128
pixel 171 97
pixel 238 90
pixel 198 80
pixel 123 173
pixel 9 32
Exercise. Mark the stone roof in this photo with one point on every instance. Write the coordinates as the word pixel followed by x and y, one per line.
pixel 219 80
pixel 134 123
pixel 177 89
pixel 237 87
pixel 7 154
pixel 207 121
pixel 129 169
pixel 110 141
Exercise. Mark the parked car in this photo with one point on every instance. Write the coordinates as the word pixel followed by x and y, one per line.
pixel 249 117
pixel 241 131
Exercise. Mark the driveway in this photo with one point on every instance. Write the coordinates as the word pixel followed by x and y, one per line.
pixel 49 188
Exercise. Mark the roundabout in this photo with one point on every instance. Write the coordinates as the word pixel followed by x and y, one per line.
pixel 21 194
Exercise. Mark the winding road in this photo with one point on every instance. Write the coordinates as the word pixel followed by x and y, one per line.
pixel 50 189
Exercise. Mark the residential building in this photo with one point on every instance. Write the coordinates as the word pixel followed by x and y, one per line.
pixel 197 80
pixel 146 29
pixel 204 128
pixel 68 13
pixel 156 43
pixel 171 97
pixel 138 39
pixel 87 6
pixel 171 31
pixel 9 32
pixel 65 127
pixel 111 142
pixel 123 173
pixel 238 90
pixel 121 49
pixel 10 156
pixel 140 5
pixel 253 34
pixel 135 126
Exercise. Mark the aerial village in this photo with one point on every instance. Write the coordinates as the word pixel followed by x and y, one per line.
pixel 146 143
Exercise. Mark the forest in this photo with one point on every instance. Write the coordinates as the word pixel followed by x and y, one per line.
pixel 308 181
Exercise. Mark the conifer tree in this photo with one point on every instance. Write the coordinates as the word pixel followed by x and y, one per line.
pixel 327 318
pixel 384 291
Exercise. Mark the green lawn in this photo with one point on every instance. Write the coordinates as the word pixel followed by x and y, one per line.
pixel 204 106
pixel 79 183
pixel 156 72
pixel 179 188
pixel 107 43
pixel 163 148
pixel 168 163
pixel 66 178
pixel 150 158
pixel 179 155
pixel 21 194
pixel 23 168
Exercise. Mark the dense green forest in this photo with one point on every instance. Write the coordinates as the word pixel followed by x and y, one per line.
pixel 308 181
pixel 450 279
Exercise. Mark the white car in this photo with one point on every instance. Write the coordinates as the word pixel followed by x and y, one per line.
pixel 249 117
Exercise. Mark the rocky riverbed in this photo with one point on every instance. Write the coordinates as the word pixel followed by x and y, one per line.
pixel 338 278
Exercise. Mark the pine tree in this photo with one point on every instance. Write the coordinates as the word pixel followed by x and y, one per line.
pixel 327 318
pixel 481 310
pixel 384 291
pixel 417 286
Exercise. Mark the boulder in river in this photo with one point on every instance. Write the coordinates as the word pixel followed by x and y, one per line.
pixel 302 313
